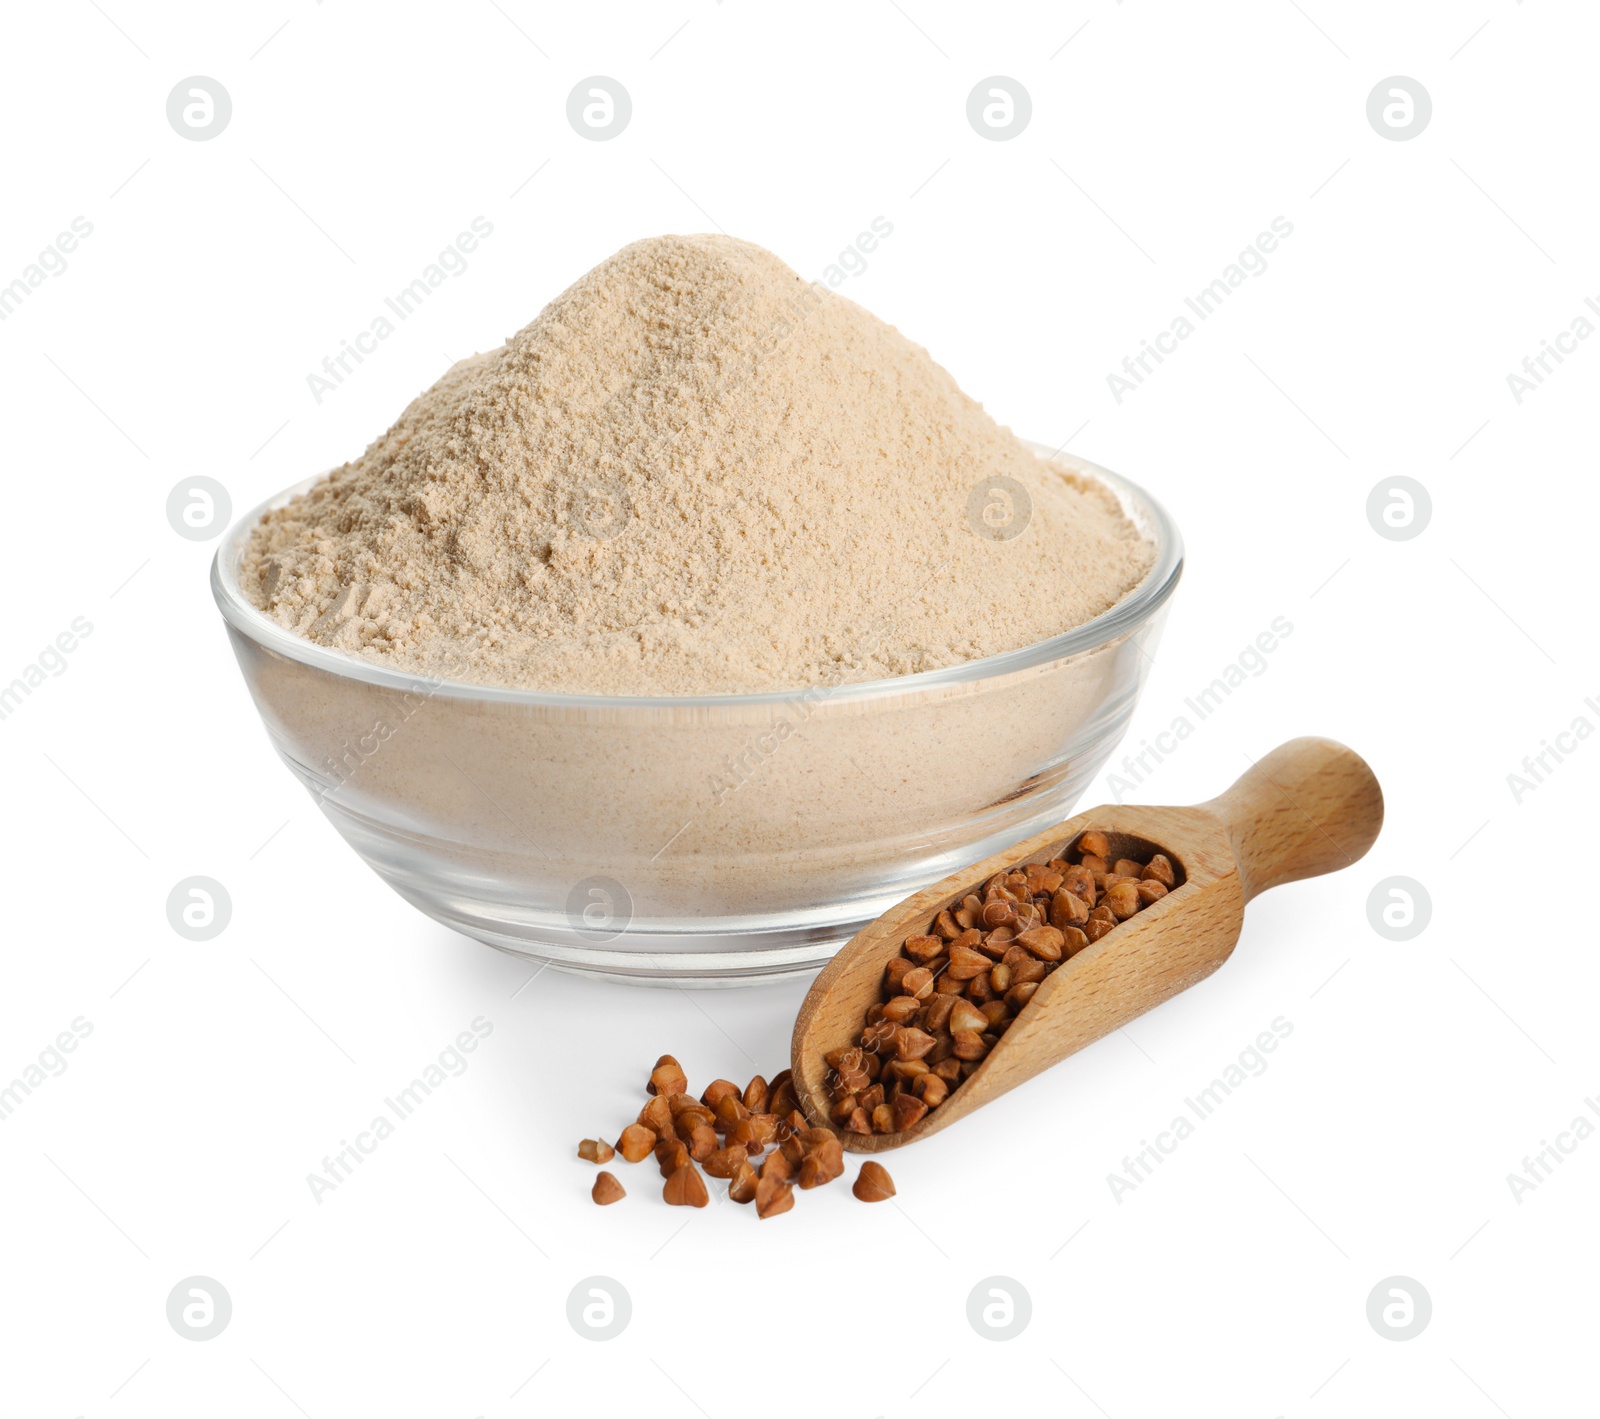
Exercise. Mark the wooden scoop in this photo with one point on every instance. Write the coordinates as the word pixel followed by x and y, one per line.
pixel 1311 806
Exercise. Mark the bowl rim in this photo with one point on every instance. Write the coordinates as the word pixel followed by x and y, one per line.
pixel 1142 602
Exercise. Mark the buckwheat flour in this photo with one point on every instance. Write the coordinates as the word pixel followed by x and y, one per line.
pixel 692 473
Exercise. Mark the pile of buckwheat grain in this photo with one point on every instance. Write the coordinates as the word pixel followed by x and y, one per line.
pixel 728 1132
pixel 953 991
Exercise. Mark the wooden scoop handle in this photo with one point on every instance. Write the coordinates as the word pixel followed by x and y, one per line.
pixel 1310 806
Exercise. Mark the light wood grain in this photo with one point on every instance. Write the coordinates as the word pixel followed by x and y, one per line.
pixel 1310 806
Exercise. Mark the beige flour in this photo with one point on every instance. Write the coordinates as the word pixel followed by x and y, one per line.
pixel 692 473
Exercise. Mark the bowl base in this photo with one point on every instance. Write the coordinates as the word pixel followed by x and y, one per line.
pixel 701 970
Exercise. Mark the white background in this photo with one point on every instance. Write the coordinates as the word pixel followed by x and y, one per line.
pixel 1164 137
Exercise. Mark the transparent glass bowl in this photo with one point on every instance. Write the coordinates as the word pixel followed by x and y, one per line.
pixel 717 838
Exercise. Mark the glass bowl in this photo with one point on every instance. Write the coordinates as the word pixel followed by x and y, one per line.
pixel 716 838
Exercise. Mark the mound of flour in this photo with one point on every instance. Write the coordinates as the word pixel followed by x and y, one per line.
pixel 694 472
